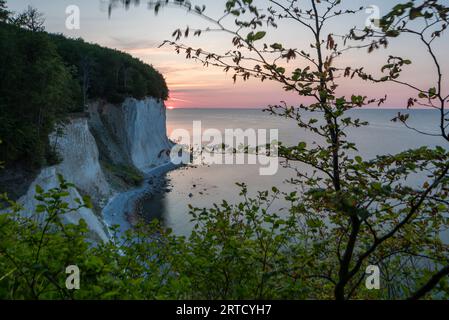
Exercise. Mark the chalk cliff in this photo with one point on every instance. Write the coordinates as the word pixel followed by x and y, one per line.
pixel 132 133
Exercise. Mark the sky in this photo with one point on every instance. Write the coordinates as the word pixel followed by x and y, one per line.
pixel 139 32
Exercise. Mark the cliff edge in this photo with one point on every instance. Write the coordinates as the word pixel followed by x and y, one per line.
pixel 131 134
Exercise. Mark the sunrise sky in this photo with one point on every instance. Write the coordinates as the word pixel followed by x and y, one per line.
pixel 139 32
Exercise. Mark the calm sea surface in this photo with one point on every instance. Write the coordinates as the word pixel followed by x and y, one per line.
pixel 202 186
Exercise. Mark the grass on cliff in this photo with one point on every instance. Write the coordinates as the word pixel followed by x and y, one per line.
pixel 128 174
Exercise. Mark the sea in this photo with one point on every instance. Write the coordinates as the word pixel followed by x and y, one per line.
pixel 204 185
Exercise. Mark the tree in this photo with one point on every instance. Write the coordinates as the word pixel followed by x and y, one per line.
pixel 30 19
pixel 86 65
pixel 38 93
pixel 106 74
pixel 350 212
pixel 4 13
pixel 44 77
pixel 36 248
pixel 402 21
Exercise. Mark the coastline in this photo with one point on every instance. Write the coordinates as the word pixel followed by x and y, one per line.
pixel 121 206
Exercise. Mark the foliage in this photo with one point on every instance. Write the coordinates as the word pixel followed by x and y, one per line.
pixel 231 254
pixel 35 251
pixel 44 77
pixel 110 74
pixel 30 19
pixel 402 20
pixel 357 212
pixel 128 174
pixel 36 91
pixel 348 213
pixel 240 251
pixel 4 13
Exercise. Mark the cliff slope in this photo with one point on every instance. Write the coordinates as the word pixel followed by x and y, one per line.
pixel 132 133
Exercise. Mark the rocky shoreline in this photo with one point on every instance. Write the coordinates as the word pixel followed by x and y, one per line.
pixel 123 208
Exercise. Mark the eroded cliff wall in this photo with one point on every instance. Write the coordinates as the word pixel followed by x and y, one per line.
pixel 133 133
pixel 78 149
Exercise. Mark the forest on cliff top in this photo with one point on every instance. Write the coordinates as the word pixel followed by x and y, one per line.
pixel 44 77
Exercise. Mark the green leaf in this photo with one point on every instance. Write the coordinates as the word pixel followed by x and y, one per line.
pixel 259 35
pixel 39 189
pixel 415 13
pixel 422 95
pixel 280 70
pixel 276 46
pixel 40 208
pixel 87 202
pixel 377 186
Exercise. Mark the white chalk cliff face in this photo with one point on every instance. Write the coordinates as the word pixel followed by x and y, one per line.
pixel 80 166
pixel 47 180
pixel 80 155
pixel 131 133
pixel 145 123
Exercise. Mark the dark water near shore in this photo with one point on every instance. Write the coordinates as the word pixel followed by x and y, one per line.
pixel 202 186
